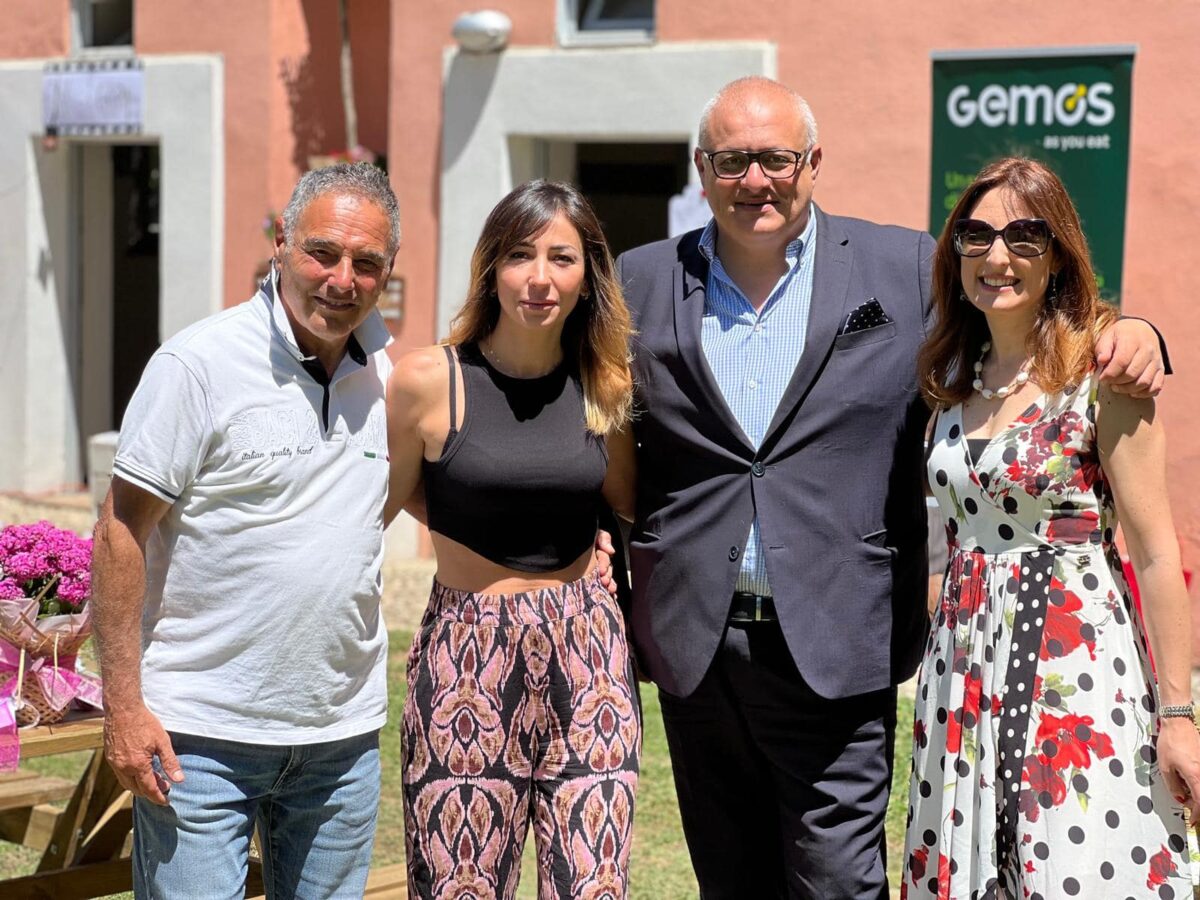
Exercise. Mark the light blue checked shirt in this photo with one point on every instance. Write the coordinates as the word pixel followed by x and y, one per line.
pixel 752 355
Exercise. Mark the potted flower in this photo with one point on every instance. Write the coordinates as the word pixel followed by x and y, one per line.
pixel 45 583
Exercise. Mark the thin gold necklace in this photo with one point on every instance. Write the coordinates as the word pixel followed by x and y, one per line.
pixel 500 367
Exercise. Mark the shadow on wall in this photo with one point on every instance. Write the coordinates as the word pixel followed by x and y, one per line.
pixel 308 129
pixel 313 81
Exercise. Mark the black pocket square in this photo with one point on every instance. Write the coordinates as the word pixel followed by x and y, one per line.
pixel 868 314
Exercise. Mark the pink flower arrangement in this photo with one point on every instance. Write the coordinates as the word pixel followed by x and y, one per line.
pixel 47 563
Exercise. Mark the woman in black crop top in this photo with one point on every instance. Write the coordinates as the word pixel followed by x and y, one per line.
pixel 521 702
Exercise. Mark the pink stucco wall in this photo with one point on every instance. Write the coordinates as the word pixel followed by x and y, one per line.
pixel 865 68
pixel 33 30
pixel 420 36
pixel 282 99
pixel 282 94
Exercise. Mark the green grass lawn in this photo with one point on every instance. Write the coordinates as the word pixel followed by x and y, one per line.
pixel 660 867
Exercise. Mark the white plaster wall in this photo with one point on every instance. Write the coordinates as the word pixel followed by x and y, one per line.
pixel 185 110
pixel 50 343
pixel 498 106
pixel 40 446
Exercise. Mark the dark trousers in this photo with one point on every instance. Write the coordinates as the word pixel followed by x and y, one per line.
pixel 782 792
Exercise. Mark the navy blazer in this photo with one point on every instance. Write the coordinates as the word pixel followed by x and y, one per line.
pixel 837 482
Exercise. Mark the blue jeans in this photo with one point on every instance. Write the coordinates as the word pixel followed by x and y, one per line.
pixel 314 805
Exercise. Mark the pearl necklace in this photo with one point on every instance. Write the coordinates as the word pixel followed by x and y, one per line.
pixel 1015 385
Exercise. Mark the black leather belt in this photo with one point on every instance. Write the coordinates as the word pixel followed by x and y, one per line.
pixel 751 608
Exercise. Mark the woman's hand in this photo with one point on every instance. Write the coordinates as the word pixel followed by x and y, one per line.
pixel 1179 762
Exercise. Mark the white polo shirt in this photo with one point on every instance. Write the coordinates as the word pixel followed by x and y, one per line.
pixel 262 621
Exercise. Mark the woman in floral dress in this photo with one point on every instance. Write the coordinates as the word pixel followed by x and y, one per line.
pixel 1047 762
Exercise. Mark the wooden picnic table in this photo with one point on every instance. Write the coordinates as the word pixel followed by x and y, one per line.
pixel 85 846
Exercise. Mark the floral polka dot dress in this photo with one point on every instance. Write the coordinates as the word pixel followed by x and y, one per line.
pixel 1034 766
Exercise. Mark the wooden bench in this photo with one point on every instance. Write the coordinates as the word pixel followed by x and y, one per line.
pixel 388 883
pixel 26 816
pixel 83 844
pixel 384 883
pixel 25 788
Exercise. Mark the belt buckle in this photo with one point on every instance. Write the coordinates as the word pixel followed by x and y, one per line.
pixel 758 607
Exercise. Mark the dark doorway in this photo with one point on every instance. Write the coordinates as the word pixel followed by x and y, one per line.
pixel 629 186
pixel 137 174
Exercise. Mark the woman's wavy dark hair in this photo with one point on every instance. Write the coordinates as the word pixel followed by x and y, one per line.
pixel 597 332
pixel 1062 341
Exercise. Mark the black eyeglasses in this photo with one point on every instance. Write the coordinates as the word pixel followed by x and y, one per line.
pixel 775 164
pixel 1024 237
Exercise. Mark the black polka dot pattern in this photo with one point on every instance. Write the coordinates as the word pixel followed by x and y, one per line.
pixel 1035 767
pixel 867 315
pixel 1033 595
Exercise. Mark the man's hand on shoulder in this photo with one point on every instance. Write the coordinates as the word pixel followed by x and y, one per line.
pixel 604 555
pixel 132 739
pixel 1129 356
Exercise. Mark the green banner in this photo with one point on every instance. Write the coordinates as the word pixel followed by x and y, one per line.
pixel 1069 108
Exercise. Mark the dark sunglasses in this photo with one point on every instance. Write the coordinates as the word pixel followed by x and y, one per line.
pixel 1024 237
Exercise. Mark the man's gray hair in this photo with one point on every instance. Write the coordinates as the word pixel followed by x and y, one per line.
pixel 738 92
pixel 361 179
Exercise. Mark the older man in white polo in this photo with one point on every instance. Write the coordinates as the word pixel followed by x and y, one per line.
pixel 236 571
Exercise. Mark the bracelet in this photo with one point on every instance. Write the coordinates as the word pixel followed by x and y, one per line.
pixel 1179 711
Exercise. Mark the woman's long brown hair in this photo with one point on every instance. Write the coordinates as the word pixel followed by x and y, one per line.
pixel 597 332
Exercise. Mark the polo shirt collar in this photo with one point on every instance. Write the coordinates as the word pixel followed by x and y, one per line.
pixel 371 335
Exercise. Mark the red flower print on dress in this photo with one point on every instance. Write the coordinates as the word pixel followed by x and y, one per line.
pixel 918 860
pixel 1065 631
pixel 967 714
pixel 1064 743
pixel 1075 528
pixel 1067 741
pixel 1042 779
pixel 1047 463
pixel 1162 867
pixel 1056 799
pixel 967 570
pixel 1031 414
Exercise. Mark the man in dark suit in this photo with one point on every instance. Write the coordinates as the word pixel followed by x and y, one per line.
pixel 778 556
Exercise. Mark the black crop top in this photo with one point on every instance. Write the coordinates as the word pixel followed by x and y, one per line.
pixel 520 482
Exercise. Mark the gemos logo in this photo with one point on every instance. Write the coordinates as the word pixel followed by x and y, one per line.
pixel 997 105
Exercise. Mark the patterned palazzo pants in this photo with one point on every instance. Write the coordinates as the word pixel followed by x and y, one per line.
pixel 521 709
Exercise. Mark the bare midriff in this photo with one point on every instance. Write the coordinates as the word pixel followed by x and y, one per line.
pixel 465 570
